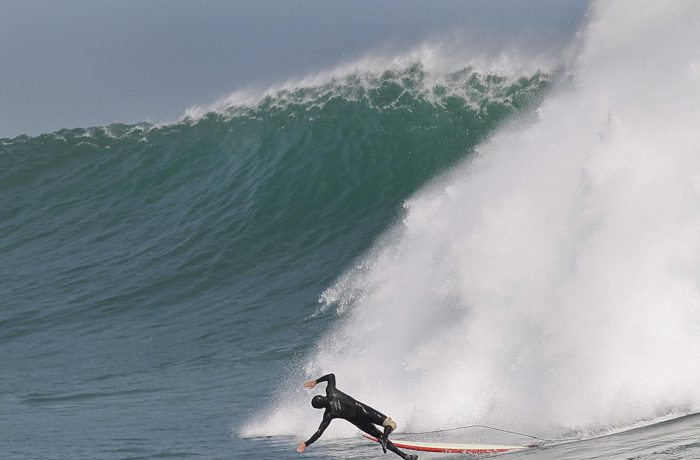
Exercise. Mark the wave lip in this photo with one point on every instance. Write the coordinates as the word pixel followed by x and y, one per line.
pixel 441 65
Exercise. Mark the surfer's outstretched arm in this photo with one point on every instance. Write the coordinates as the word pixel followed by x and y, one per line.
pixel 321 428
pixel 330 378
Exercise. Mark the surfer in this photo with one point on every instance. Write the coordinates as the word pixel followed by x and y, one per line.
pixel 339 405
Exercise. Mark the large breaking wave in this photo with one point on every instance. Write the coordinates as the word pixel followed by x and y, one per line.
pixel 551 283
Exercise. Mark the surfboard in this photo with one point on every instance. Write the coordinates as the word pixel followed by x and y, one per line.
pixel 450 448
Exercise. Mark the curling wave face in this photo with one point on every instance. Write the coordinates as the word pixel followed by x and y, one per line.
pixel 550 283
pixel 229 192
pixel 148 264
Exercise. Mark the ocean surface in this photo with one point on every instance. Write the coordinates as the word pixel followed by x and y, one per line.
pixel 514 248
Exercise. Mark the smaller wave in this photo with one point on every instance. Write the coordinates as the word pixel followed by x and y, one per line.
pixel 42 399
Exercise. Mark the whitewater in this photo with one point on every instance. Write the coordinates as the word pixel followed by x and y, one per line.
pixel 549 284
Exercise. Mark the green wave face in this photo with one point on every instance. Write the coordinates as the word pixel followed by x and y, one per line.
pixel 257 206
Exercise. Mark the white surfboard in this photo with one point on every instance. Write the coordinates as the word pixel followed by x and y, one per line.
pixel 450 448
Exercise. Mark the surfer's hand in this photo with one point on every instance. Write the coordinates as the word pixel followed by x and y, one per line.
pixel 310 384
pixel 301 447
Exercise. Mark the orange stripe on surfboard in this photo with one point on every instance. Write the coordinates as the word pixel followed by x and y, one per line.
pixel 450 448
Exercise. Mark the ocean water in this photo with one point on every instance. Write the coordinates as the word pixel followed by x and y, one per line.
pixel 501 246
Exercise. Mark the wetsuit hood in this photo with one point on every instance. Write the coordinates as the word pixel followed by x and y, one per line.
pixel 319 402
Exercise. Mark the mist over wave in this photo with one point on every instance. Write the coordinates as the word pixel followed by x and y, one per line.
pixel 441 66
pixel 551 283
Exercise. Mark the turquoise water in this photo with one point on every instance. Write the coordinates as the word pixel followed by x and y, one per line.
pixel 158 280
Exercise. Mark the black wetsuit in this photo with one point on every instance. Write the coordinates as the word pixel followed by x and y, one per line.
pixel 361 415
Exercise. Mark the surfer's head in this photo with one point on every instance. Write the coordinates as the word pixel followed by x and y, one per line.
pixel 319 402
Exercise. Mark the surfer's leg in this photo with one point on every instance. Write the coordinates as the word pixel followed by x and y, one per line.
pixel 372 430
pixel 371 415
pixel 374 416
pixel 368 428
pixel 390 445
pixel 389 426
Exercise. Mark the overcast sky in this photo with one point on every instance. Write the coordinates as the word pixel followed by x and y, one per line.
pixel 79 63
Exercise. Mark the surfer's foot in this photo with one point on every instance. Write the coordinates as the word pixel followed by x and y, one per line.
pixel 411 457
pixel 382 441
